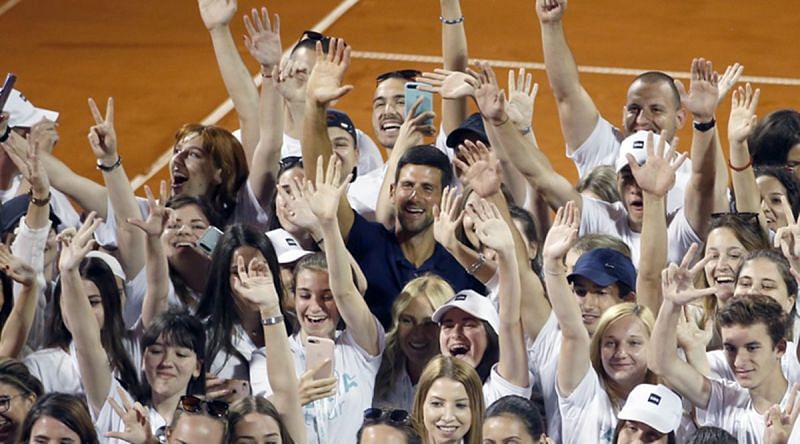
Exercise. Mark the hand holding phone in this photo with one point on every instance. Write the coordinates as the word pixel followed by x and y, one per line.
pixel 412 93
pixel 5 93
pixel 208 241
pixel 318 350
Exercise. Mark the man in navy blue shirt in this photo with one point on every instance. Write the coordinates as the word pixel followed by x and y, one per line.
pixel 388 258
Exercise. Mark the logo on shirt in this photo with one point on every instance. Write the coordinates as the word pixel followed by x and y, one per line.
pixel 654 399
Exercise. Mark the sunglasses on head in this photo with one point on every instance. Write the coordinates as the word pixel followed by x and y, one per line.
pixel 407 74
pixel 314 35
pixel 393 416
pixel 290 162
pixel 193 404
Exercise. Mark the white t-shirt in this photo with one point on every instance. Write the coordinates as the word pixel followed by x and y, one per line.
pixel 731 408
pixel 338 418
pixel 721 370
pixel 363 193
pixel 29 246
pixel 107 420
pixel 587 414
pixel 229 366
pixel 495 387
pixel 369 156
pixel 602 148
pixel 605 218
pixel 543 363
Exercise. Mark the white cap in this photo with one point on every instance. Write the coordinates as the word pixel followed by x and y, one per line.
pixel 473 303
pixel 111 261
pixel 654 405
pixel 286 246
pixel 22 112
pixel 635 144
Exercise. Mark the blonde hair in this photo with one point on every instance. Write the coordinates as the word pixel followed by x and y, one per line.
pixel 436 291
pixel 459 371
pixel 611 316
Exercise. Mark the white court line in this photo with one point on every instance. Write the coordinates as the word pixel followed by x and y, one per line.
pixel 225 107
pixel 418 58
pixel 8 5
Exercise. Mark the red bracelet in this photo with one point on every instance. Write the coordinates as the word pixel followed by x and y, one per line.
pixel 740 169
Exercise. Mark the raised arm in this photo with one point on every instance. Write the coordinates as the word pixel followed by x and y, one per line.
pixel 662 351
pixel 257 285
pixel 454 53
pixel 263 40
pixel 156 266
pixel 324 195
pixel 103 140
pixel 576 110
pixel 656 177
pixel 497 235
pixel 93 362
pixel 18 324
pixel 217 15
pixel 573 361
pixel 325 86
pixel 741 122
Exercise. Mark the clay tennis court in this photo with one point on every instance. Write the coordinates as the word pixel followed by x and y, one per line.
pixel 155 57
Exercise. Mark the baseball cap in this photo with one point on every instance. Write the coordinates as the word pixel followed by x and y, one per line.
pixel 635 144
pixel 470 129
pixel 605 266
pixel 654 405
pixel 22 112
pixel 13 210
pixel 341 120
pixel 111 261
pixel 473 303
pixel 286 246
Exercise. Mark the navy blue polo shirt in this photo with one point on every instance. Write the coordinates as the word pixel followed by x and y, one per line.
pixel 387 270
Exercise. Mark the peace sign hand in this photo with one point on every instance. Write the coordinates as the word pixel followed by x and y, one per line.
pixel 102 136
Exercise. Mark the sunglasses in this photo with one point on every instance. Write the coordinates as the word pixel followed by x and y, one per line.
pixel 314 35
pixel 193 404
pixel 290 162
pixel 393 416
pixel 407 74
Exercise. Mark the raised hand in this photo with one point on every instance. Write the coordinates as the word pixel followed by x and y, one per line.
pixel 311 389
pixel 159 213
pixel 447 218
pixel 691 335
pixel 788 238
pixel 480 168
pixel 521 98
pixel 135 417
pixel 102 136
pixel 728 79
pixel 298 210
pixel 254 283
pixel 75 244
pixel 657 175
pixel 563 233
pixel 45 134
pixel 550 11
pixel 24 153
pixel 324 196
pixel 16 268
pixel 325 81
pixel 701 100
pixel 779 424
pixel 263 38
pixel 743 119
pixel 677 281
pixel 446 83
pixel 415 127
pixel 491 229
pixel 290 80
pixel 490 98
pixel 216 13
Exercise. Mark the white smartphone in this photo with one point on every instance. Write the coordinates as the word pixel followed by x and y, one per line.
pixel 208 241
pixel 317 351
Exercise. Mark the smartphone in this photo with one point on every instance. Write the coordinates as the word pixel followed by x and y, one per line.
pixel 208 241
pixel 318 350
pixel 241 387
pixel 5 93
pixel 412 93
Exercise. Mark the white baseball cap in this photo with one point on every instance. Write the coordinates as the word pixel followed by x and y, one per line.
pixel 22 112
pixel 286 246
pixel 635 144
pixel 111 261
pixel 654 405
pixel 473 303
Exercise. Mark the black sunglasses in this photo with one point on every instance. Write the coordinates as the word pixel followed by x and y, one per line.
pixel 290 162
pixel 314 35
pixel 393 416
pixel 193 404
pixel 407 74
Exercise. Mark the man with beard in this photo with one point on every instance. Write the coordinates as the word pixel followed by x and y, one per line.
pixel 388 258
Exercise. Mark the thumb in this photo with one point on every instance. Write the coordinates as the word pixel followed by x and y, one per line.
pixel 681 89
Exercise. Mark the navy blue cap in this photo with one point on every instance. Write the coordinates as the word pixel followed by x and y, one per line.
pixel 13 210
pixel 604 267
pixel 470 129
pixel 341 120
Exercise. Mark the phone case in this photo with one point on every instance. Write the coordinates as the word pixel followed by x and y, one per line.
pixel 208 241
pixel 412 93
pixel 318 350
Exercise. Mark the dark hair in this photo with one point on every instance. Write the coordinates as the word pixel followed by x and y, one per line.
pixel 789 182
pixel 598 240
pixel 427 155
pixel 179 329
pixel 16 374
pixel 262 406
pixel 309 40
pixel 286 164
pixel 621 423
pixel 658 76
pixel 520 408
pixel 774 136
pixel 179 413
pixel 780 262
pixel 112 331
pixel 70 410
pixel 753 309
pixel 492 354
pixel 408 429
pixel 216 306
pixel 529 230
pixel 7 287
pixel 711 435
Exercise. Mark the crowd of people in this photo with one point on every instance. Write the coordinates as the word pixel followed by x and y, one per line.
pixel 289 286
